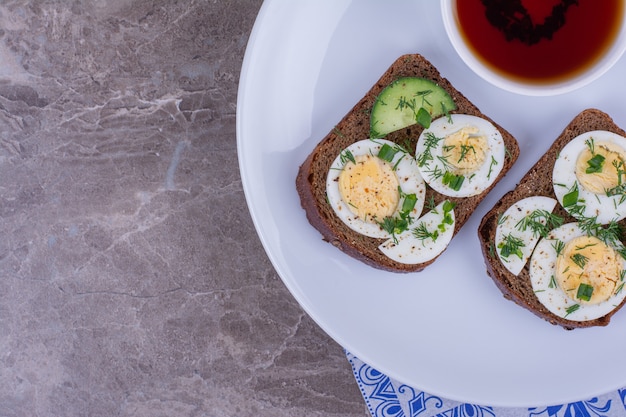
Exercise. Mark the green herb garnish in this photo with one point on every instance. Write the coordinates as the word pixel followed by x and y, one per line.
pixel 387 152
pixel 421 232
pixel 580 260
pixel 511 245
pixel 571 198
pixel 403 103
pixel 558 246
pixel 430 204
pixel 408 204
pixel 338 132
pixel 620 188
pixel 584 292
pixel 453 181
pixel 464 150
pixel 491 165
pixel 597 161
pixel 346 156
pixel 540 222
pixel 595 164
pixel 396 225
pixel 430 142
pixel 552 283
pixel 448 206
pixel 571 309
pixel 423 117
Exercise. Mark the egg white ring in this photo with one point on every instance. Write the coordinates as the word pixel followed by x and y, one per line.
pixel 408 249
pixel 409 179
pixel 482 178
pixel 607 208
pixel 507 224
pixel 543 267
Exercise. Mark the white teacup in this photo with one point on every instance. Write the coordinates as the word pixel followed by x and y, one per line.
pixel 561 85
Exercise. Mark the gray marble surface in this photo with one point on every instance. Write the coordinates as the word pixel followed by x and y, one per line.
pixel 132 280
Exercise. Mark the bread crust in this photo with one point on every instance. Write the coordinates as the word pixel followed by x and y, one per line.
pixel 355 126
pixel 537 182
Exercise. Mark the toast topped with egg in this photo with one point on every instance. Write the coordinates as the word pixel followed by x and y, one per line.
pixel 554 244
pixel 401 173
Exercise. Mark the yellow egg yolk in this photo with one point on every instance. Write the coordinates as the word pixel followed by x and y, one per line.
pixel 370 188
pixel 465 150
pixel 603 169
pixel 588 261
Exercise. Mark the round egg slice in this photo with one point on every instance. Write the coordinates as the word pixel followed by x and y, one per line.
pixel 371 180
pixel 428 238
pixel 460 155
pixel 569 268
pixel 589 176
pixel 519 229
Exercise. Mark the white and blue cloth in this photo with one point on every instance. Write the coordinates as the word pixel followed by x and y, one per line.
pixel 386 397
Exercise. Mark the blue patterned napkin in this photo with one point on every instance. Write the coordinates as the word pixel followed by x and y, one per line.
pixel 386 397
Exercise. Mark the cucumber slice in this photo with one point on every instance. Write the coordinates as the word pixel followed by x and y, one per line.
pixel 407 101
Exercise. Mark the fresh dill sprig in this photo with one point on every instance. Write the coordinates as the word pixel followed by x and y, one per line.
pixel 540 222
pixel 571 309
pixel 430 142
pixel 493 163
pixel 465 149
pixel 346 156
pixel 579 259
pixel 558 246
pixel 422 233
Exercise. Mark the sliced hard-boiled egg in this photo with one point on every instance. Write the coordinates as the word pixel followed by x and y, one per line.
pixel 428 238
pixel 460 155
pixel 577 276
pixel 519 229
pixel 372 181
pixel 589 176
pixel 588 270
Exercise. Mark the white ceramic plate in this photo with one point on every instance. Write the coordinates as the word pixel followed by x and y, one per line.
pixel 448 330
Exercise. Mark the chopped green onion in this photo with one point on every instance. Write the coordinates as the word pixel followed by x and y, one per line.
pixel 595 164
pixel 448 206
pixel 453 181
pixel 386 152
pixel 409 203
pixel 423 117
pixel 584 292
pixel 571 198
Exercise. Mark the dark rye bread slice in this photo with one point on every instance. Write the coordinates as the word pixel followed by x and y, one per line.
pixel 538 182
pixel 355 126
